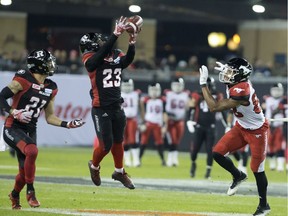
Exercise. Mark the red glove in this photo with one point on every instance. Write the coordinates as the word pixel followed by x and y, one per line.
pixel 22 115
pixel 75 123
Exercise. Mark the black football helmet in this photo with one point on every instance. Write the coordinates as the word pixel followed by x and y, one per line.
pixel 92 42
pixel 42 62
pixel 236 70
pixel 277 90
pixel 178 85
pixel 211 84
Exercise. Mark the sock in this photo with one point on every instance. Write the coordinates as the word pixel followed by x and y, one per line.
pixel 227 164
pixel 119 170
pixel 262 183
pixel 15 194
pixel 30 187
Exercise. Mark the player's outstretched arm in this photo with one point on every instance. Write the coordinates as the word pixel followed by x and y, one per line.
pixel 52 119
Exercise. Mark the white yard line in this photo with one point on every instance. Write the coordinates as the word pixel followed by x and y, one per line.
pixel 92 212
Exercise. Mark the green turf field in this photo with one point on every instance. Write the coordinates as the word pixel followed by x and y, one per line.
pixel 77 199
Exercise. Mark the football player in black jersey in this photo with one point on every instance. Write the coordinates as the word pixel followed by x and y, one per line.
pixel 31 92
pixel 104 65
pixel 203 123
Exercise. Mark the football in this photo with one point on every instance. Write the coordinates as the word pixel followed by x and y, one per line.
pixel 134 24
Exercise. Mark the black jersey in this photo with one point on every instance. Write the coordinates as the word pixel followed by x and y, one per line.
pixel 34 97
pixel 105 72
pixel 203 116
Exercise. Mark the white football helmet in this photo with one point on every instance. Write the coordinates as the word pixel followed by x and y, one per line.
pixel 178 85
pixel 127 86
pixel 277 90
pixel 154 90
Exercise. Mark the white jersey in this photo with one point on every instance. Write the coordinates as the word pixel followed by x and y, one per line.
pixel 131 103
pixel 176 104
pixel 250 116
pixel 272 105
pixel 154 110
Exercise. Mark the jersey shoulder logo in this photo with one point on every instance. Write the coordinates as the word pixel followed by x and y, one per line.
pixel 238 90
pixel 20 71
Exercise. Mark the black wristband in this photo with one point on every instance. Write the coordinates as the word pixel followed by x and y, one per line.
pixel 64 124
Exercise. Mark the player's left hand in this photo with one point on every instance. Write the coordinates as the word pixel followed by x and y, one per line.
pixel 203 75
pixel 132 38
pixel 75 123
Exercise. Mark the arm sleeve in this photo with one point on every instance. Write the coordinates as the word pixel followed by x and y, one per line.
pixel 129 57
pixel 4 95
pixel 92 63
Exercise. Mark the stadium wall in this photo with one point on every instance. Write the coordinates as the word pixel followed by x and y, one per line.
pixel 73 101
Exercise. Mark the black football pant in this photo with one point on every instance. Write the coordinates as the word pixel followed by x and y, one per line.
pixel 203 135
pixel 109 125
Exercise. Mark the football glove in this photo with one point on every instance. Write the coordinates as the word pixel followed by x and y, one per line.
pixel 120 26
pixel 203 75
pixel 191 126
pixel 75 123
pixel 220 67
pixel 142 127
pixel 22 115
pixel 132 38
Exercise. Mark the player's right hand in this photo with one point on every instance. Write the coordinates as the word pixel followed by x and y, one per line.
pixel 142 127
pixel 22 115
pixel 75 123
pixel 220 67
pixel 191 126
pixel 120 26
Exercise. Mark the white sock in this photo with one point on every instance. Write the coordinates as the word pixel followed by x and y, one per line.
pixel 95 168
pixel 119 170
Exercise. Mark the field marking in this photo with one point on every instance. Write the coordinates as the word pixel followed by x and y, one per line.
pixel 93 212
pixel 16 167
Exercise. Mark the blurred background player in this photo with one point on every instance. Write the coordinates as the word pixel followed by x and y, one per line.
pixel 176 107
pixel 154 120
pixel 31 92
pixel 131 134
pixel 104 65
pixel 202 125
pixel 277 143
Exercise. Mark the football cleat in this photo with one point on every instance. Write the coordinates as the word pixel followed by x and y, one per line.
pixel 31 198
pixel 262 211
pixel 123 178
pixel 95 174
pixel 236 183
pixel 15 202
